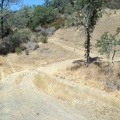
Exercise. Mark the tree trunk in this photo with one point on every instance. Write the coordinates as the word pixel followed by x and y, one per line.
pixel 2 28
pixel 87 45
pixel 2 20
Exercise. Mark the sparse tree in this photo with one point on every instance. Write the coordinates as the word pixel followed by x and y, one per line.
pixel 107 44
pixel 86 13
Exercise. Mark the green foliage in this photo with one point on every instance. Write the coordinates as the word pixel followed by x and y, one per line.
pixel 26 52
pixel 57 23
pixel 63 6
pixel 107 45
pixel 12 41
pixel 104 43
pixel 68 9
pixel 87 12
pixel 4 4
pixel 23 35
pixel 44 39
pixel 20 18
pixel 69 21
pixel 41 16
pixel 18 50
pixel 108 42
pixel 36 46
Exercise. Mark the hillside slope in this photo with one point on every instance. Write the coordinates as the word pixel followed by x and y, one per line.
pixel 74 37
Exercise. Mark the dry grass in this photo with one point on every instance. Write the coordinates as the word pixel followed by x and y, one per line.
pixel 95 75
pixel 46 54
pixel 40 83
pixel 73 94
pixel 54 88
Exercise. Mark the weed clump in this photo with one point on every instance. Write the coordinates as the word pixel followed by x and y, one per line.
pixel 44 39
pixel 18 50
pixel 40 83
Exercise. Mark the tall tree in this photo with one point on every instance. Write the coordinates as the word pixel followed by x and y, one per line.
pixel 3 6
pixel 86 14
pixel 89 12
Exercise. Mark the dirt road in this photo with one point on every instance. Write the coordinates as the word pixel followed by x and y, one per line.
pixel 24 102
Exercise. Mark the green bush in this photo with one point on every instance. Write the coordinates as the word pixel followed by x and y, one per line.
pixel 18 50
pixel 26 52
pixel 7 31
pixel 36 46
pixel 42 15
pixel 44 39
pixel 12 41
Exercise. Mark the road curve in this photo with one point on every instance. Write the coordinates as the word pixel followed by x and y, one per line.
pixel 24 102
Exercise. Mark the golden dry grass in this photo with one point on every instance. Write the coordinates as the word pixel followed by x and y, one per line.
pixel 54 88
pixel 40 83
pixel 46 54
pixel 95 75
pixel 72 94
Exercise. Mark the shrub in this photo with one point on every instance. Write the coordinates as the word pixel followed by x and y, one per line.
pixel 57 23
pixel 26 52
pixel 12 41
pixel 113 5
pixel 36 46
pixel 7 31
pixel 9 44
pixel 42 15
pixel 44 39
pixel 18 50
